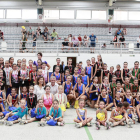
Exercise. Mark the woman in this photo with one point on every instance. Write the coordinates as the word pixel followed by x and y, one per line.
pixel 85 39
pixel 115 40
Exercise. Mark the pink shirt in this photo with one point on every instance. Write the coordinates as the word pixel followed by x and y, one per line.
pixel 75 41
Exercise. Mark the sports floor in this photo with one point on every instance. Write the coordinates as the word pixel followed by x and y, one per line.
pixel 69 131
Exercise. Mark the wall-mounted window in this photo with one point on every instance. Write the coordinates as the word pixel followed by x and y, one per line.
pixel 99 15
pixel 120 15
pixel 67 14
pixel 83 14
pixel 134 15
pixel 51 14
pixel 29 14
pixel 13 13
pixel 2 13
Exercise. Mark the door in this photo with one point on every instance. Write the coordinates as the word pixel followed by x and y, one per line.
pixel 73 60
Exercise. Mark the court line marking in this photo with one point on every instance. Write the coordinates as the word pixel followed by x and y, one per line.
pixel 88 133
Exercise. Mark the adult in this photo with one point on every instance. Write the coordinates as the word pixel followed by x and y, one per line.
pixel 70 40
pixel 54 34
pixel 1 35
pixel 46 34
pixel 85 39
pixel 24 39
pixel 38 31
pixel 53 85
pixel 65 44
pixel 92 38
pixel 119 32
pixel 124 31
pixel 34 40
pixel 39 88
pixel 138 41
pixel 122 39
pixel 59 65
pixel 30 32
pixel 75 42
pixel 80 40
pixel 39 55
pixel 70 66
pixel 115 40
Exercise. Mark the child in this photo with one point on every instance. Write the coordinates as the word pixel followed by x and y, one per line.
pixel 30 65
pixel 57 113
pixel 45 73
pixel 113 83
pixel 105 84
pixel 2 80
pixel 19 64
pixel 11 61
pixel 22 110
pixel 82 118
pixel 2 101
pixel 33 76
pixel 126 84
pixel 12 98
pixel 94 66
pixel 41 114
pixel 62 99
pixel 118 99
pixel 93 92
pixel 47 99
pixel 135 88
pixel 101 116
pixel 116 117
pixel 24 94
pixel 104 72
pixel 138 110
pixel 67 72
pixel 75 76
pixel 31 99
pixel 89 71
pixel 118 73
pixel 57 75
pixel 137 100
pixel 128 98
pixel 24 60
pixel 39 66
pixel 111 73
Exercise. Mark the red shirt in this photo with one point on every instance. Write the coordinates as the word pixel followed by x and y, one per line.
pixel 80 38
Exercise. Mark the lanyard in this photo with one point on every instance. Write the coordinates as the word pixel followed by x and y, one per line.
pixel 126 71
pixel 22 109
pixel 125 86
pixel 68 87
pixel 136 72
pixel 40 111
pixel 105 72
pixel 34 75
pixel 31 99
pixel 118 74
pixel 56 114
pixel 60 99
pixel 88 68
pixel 15 75
pixel 70 68
pixel 113 84
pixel 7 71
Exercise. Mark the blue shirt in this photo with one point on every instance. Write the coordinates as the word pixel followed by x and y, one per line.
pixel 92 38
pixel 21 112
pixel 41 111
pixel 56 113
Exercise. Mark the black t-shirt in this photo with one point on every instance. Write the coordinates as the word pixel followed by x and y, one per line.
pixel 71 69
pixel 34 36
pixel 61 68
pixel 122 39
pixel 31 102
pixel 65 43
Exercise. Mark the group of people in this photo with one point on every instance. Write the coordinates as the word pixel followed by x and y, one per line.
pixel 46 99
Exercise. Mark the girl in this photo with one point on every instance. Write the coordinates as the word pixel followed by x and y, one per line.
pixel 40 111
pixel 12 98
pixel 2 101
pixel 118 89
pixel 79 89
pixel 113 83
pixel 33 76
pixel 57 113
pixel 101 120
pixel 24 94
pixel 85 80
pixel 39 66
pixel 13 78
pixel 7 70
pixel 135 88
pixel 23 76
pixel 105 84
pixel 117 99
pixel 47 99
pixel 89 71
pixel 24 60
pixel 39 88
pixel 45 73
pixel 104 72
pixel 1 63
pixel 126 84
pixel 75 76
pixel 137 100
pixel 111 73
pixel 11 61
pixel 82 118
pixel 67 86
pixel 128 98
pixel 29 68
pixel 19 64
pixel 105 98
pixel 118 73
pixel 31 99
pixel 22 110
pixel 94 66
pixel 93 92
pixel 2 80
pixel 67 72
pixel 62 99
pixel 138 110
pixel 57 75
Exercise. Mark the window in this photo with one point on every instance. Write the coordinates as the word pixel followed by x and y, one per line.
pixel 29 14
pixel 99 15
pixel 83 14
pixel 134 16
pixel 120 15
pixel 51 14
pixel 69 14
pixel 11 13
pixel 2 12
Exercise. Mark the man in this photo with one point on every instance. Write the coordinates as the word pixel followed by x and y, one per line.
pixel 59 65
pixel 54 34
pixel 30 32
pixel 92 38
pixel 39 55
pixel 34 40
pixel 65 44
pixel 138 40
pixel 122 39
pixel 75 43
pixel 53 85
pixel 1 35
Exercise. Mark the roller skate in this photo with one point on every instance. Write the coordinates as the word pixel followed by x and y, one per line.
pixel 107 126
pixel 42 123
pixel 97 126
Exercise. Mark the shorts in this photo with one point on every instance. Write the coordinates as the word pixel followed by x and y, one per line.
pixel 26 83
pixel 75 45
pixel 92 44
pixel 79 118
pixel 15 85
pixel 95 99
pixel 98 73
pixel 34 44
pixel 1 37
pixel 53 38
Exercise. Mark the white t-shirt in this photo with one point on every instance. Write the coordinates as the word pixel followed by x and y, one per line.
pixel 7 72
pixel 39 92
pixel 138 39
pixel 54 89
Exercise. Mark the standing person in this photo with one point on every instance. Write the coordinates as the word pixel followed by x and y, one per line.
pixel 1 35
pixel 138 41
pixel 2 80
pixel 34 40
pixel 54 34
pixel 19 64
pixel 1 63
pixel 70 66
pixel 39 55
pixel 118 73
pixel 33 76
pixel 11 61
pixel 45 73
pixel 53 85
pixel 92 38
pixel 75 43
pixel 39 89
pixel 94 66
pixel 24 39
pixel 58 65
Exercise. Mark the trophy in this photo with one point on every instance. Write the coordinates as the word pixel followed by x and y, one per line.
pixel 100 65
pixel 129 73
pixel 23 75
pixel 97 86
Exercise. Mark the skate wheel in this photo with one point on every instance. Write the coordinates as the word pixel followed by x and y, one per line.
pixel 97 128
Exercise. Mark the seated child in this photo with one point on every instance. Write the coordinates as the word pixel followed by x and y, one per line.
pixel 62 99
pixel 82 118
pixel 116 117
pixel 2 100
pixel 138 111
pixel 137 100
pixel 128 98
pixel 101 116
pixel 24 94
pixel 57 113
pixel 22 110
pixel 118 99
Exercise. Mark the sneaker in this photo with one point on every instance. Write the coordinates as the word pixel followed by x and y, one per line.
pixel 89 124
pixel 9 123
pixel 79 125
pixel 2 122
pixel 42 123
pixel 21 122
